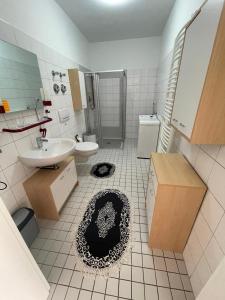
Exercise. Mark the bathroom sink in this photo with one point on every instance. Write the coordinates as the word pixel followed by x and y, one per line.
pixel 53 151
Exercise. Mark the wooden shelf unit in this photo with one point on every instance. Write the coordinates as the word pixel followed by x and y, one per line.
pixel 174 196
pixel 199 107
pixel 48 190
pixel 78 90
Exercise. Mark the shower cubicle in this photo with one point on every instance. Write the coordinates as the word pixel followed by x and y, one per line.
pixel 106 107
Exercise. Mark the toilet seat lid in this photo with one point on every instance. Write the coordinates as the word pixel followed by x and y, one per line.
pixel 86 146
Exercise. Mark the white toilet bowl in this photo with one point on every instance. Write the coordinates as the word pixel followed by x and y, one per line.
pixel 86 149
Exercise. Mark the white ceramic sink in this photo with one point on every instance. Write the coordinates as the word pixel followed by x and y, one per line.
pixel 52 152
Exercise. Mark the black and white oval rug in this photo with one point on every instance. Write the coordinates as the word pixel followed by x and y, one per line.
pixel 103 170
pixel 103 236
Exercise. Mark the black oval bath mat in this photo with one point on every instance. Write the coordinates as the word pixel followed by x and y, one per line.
pixel 102 170
pixel 104 231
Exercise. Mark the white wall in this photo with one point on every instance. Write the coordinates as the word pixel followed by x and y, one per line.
pixel 180 14
pixel 12 171
pixel 46 22
pixel 140 57
pixel 125 54
pixel 205 248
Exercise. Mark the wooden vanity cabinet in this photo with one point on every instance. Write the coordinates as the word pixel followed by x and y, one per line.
pixel 174 196
pixel 199 107
pixel 48 190
pixel 78 90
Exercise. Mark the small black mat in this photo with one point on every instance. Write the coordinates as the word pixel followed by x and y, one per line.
pixel 103 170
pixel 103 233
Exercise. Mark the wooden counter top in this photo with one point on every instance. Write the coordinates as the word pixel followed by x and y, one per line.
pixel 174 169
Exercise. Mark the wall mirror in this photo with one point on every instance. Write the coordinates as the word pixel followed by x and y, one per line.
pixel 20 79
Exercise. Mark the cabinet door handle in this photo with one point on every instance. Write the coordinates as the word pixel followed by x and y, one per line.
pixel 182 125
pixel 175 120
pixel 61 178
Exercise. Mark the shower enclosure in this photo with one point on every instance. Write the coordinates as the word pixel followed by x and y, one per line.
pixel 106 109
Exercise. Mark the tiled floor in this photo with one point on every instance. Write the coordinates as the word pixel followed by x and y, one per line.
pixel 148 274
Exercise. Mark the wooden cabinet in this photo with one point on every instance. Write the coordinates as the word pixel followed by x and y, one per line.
pixel 174 196
pixel 199 107
pixel 48 190
pixel 78 90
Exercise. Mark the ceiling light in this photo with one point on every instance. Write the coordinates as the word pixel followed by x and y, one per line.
pixel 114 2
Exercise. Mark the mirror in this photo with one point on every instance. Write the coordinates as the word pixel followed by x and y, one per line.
pixel 20 79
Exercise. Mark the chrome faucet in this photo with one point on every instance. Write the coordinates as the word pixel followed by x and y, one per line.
pixel 40 141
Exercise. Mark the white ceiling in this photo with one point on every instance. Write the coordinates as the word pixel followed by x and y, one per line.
pixel 135 19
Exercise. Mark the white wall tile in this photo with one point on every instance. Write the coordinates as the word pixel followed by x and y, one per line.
pixel 216 183
pixel 9 201
pixel 189 151
pixel 15 173
pixel 8 156
pixel 203 231
pixel 211 150
pixel 203 165
pixel 203 270
pixel 195 248
pixel 221 156
pixel 220 234
pixel 213 254
pixel 196 283
pixel 212 211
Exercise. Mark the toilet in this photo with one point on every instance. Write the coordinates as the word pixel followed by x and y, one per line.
pixel 84 150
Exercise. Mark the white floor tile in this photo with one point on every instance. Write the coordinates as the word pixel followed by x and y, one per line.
pixel 60 260
pixel 76 279
pixel 137 291
pixel 107 297
pixel 100 284
pixel 164 294
pixel 112 287
pixel 125 289
pixel 60 292
pixel 84 295
pixel 88 283
pixel 159 263
pixel 181 267
pixel 72 294
pixel 137 274
pixel 189 296
pixel 175 281
pixel 151 292
pixel 162 278
pixel 97 296
pixel 70 262
pixel 125 272
pixel 171 265
pixel 149 276
pixel 65 277
pixel 186 283
pixel 51 292
pixel 178 295
pixel 157 252
pixel 148 261
pixel 146 249
pixel 54 275
pixel 136 259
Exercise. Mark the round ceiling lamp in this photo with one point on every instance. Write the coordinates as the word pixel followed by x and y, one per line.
pixel 114 2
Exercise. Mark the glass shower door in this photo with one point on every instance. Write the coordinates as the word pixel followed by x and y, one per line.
pixel 106 112
pixel 111 108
